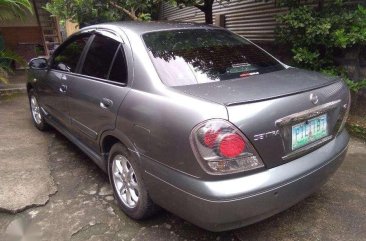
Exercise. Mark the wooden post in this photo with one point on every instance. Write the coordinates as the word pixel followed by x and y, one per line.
pixel 40 28
pixel 57 25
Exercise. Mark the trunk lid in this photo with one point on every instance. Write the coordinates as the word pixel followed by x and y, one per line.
pixel 258 87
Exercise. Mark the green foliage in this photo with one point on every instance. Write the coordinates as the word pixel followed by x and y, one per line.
pixel 84 12
pixel 141 6
pixel 10 9
pixel 87 12
pixel 6 57
pixel 145 16
pixel 356 130
pixel 315 34
pixel 354 86
pixel 319 33
pixel 307 57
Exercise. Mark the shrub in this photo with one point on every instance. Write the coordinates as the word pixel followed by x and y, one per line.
pixel 321 33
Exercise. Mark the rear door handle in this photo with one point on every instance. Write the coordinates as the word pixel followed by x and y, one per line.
pixel 106 103
pixel 63 77
pixel 63 88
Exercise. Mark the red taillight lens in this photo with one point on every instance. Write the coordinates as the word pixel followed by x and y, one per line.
pixel 221 148
pixel 231 145
pixel 210 138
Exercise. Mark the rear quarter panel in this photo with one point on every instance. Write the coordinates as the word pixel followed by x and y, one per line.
pixel 157 119
pixel 159 125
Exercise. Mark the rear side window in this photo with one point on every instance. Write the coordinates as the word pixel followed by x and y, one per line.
pixel 66 59
pixel 119 69
pixel 195 56
pixel 99 57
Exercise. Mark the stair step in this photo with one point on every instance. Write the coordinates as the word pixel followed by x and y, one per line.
pixel 53 45
pixel 49 25
pixel 49 20
pixel 49 32
pixel 43 20
pixel 50 35
pixel 46 22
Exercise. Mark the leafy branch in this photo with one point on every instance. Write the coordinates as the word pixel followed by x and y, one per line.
pixel 6 57
pixel 10 9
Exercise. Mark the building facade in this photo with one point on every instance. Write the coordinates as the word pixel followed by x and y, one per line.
pixel 35 34
pixel 249 18
pixel 253 19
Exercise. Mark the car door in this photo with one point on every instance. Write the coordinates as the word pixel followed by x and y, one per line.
pixel 53 88
pixel 100 88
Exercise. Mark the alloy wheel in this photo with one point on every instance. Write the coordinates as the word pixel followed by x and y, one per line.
pixel 125 181
pixel 36 112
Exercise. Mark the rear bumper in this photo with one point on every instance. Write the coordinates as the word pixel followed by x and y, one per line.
pixel 233 203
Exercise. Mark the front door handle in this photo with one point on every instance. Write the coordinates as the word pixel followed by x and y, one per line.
pixel 106 103
pixel 63 89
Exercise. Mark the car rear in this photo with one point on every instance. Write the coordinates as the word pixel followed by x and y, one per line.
pixel 283 138
pixel 278 165
pixel 285 128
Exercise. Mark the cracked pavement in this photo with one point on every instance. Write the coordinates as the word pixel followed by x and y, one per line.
pixel 83 208
pixel 25 178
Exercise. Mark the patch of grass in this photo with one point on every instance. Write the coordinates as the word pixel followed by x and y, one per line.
pixel 10 96
pixel 356 126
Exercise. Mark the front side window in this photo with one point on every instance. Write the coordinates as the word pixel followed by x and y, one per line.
pixel 67 58
pixel 195 56
pixel 99 57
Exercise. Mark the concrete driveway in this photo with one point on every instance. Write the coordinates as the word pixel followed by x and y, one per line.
pixel 83 207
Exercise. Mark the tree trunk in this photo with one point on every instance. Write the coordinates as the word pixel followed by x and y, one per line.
pixel 208 15
pixel 320 5
pixel 353 61
pixel 206 8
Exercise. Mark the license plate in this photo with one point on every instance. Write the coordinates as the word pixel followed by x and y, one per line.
pixel 309 131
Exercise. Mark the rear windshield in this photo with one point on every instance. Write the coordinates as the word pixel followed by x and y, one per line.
pixel 195 56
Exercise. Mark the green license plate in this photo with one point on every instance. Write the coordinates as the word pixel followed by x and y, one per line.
pixel 309 131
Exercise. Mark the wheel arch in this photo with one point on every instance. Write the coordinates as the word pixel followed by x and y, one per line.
pixel 29 87
pixel 109 138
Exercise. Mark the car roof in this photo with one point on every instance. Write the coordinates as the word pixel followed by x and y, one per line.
pixel 139 27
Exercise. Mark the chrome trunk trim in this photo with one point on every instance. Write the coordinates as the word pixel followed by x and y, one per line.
pixel 307 114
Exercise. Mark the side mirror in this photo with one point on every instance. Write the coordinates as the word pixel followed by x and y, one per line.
pixel 38 63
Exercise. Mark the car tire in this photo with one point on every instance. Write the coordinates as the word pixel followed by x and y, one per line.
pixel 37 115
pixel 127 183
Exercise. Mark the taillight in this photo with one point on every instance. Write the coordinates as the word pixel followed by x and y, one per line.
pixel 209 138
pixel 231 145
pixel 221 148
